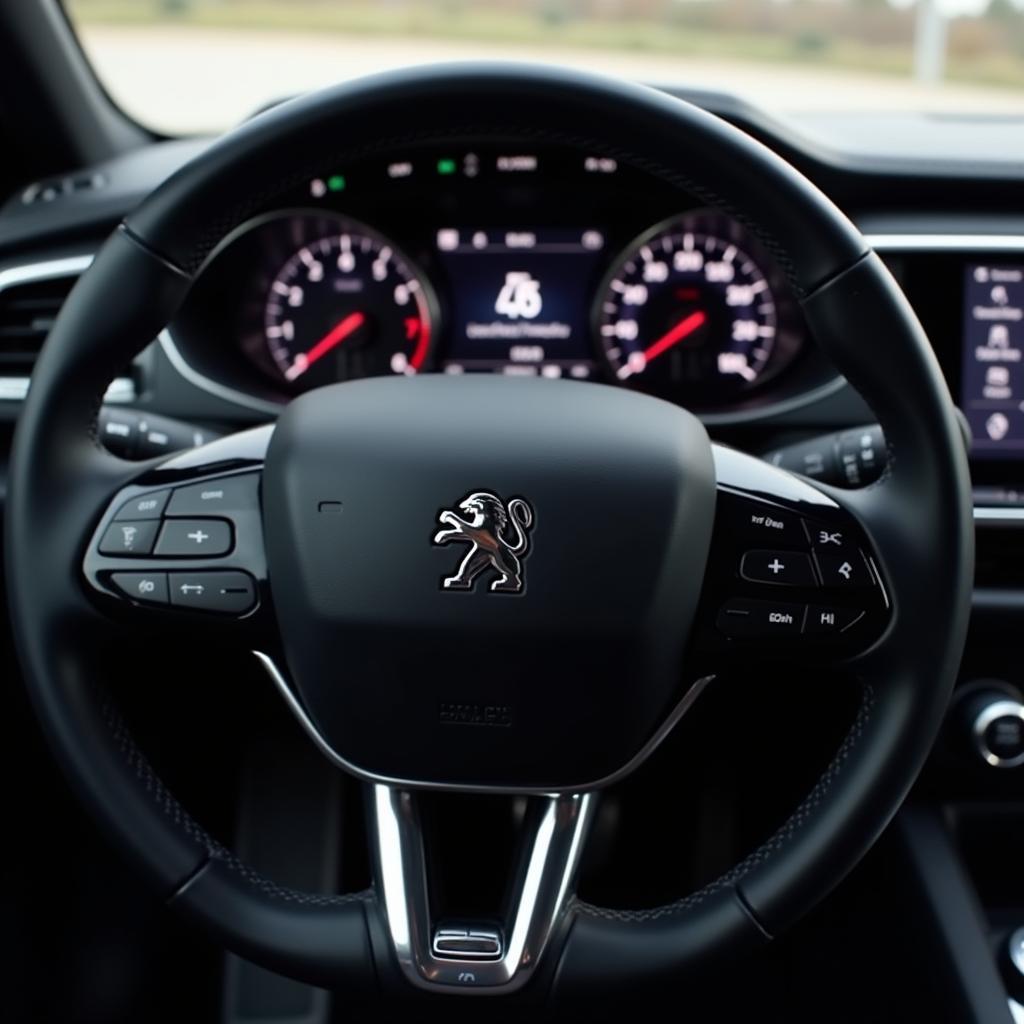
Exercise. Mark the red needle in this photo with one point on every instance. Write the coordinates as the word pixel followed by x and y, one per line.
pixel 334 337
pixel 685 327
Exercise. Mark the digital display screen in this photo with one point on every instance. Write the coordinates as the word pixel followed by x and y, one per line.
pixel 992 385
pixel 520 300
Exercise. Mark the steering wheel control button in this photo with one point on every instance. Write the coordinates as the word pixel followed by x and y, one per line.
pixel 131 539
pixel 144 506
pixel 232 593
pixel 195 538
pixel 221 497
pixel 147 587
pixel 468 943
pixel 828 538
pixel 785 568
pixel 741 618
pixel 766 524
pixel 844 569
pixel 831 621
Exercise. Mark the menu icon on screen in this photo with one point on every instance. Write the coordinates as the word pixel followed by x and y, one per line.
pixel 992 390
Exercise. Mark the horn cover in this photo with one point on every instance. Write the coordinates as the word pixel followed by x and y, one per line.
pixel 483 582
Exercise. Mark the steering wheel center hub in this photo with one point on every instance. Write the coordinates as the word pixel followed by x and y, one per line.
pixel 528 556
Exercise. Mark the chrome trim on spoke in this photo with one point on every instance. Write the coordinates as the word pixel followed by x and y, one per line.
pixel 537 907
pixel 302 716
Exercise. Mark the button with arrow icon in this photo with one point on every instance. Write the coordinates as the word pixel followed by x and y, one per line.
pixel 233 593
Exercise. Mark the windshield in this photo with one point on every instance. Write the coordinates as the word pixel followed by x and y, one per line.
pixel 184 66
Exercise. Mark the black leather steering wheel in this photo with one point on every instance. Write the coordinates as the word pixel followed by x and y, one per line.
pixel 330 513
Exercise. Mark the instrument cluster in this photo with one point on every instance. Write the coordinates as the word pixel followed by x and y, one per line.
pixel 550 263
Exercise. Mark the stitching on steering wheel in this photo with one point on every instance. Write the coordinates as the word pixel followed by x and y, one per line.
pixel 219 228
pixel 172 809
pixel 771 846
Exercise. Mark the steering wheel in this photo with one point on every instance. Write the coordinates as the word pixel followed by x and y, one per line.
pixel 579 511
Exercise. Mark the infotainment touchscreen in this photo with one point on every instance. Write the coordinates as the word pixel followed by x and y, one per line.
pixel 992 382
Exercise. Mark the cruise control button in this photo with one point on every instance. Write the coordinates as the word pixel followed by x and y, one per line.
pixel 743 618
pixel 129 539
pixel 220 497
pixel 148 587
pixel 144 506
pixel 830 539
pixel 196 538
pixel 764 523
pixel 831 620
pixel 843 570
pixel 229 592
pixel 787 568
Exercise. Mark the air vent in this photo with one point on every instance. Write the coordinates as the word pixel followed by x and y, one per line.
pixel 30 299
pixel 27 312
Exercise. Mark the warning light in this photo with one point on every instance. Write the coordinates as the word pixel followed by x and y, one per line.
pixel 445 165
pixel 336 183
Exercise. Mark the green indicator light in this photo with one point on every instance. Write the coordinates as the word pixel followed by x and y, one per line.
pixel 445 166
pixel 336 183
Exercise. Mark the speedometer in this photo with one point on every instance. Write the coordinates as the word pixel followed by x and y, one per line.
pixel 689 311
pixel 346 304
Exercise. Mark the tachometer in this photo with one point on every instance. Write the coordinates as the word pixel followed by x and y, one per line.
pixel 689 311
pixel 347 304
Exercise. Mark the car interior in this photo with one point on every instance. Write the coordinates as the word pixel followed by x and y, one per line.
pixel 498 540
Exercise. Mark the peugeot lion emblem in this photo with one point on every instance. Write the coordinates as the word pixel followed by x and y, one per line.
pixel 485 525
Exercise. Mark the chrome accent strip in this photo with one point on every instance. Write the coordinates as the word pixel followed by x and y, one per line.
pixel 298 710
pixel 45 270
pixel 984 514
pixel 185 369
pixel 14 389
pixel 945 243
pixel 539 904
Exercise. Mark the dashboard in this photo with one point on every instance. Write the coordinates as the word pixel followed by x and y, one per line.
pixel 543 263
pixel 551 261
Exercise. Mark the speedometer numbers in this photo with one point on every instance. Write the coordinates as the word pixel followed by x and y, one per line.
pixel 346 304
pixel 688 312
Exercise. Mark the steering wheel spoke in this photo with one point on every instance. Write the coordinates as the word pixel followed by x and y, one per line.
pixel 792 572
pixel 496 955
pixel 184 540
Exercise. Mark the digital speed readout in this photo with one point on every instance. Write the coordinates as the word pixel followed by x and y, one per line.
pixel 519 300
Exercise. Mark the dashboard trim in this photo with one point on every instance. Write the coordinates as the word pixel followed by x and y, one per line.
pixel 995 514
pixel 945 243
pixel 45 270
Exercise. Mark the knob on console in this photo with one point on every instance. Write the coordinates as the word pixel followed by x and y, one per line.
pixel 1011 963
pixel 993 718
